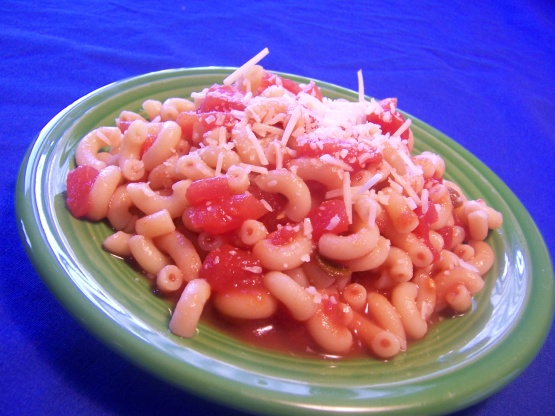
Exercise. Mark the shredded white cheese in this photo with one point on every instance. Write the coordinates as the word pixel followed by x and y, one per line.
pixel 347 196
pixel 395 186
pixel 424 195
pixel 243 69
pixel 360 86
pixel 219 163
pixel 334 222
pixel 403 127
pixel 253 269
pixel 253 168
pixel 257 147
pixel 369 184
pixel 279 155
pixel 266 205
pixel 291 125
pixel 307 227
pixel 336 162
pixel 401 181
pixel 411 204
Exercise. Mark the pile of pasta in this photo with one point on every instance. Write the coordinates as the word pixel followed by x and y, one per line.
pixel 259 195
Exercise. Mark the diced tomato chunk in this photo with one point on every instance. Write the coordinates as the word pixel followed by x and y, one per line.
pixel 214 111
pixel 79 184
pixel 390 119
pixel 447 235
pixel 290 85
pixel 284 235
pixel 229 267
pixel 123 125
pixel 213 119
pixel 192 123
pixel 294 87
pixel 277 203
pixel 329 217
pixel 422 231
pixel 208 189
pixel 356 154
pixel 222 98
pixel 187 121
pixel 225 214
pixel 268 80
pixel 312 89
pixel 149 141
pixel 425 219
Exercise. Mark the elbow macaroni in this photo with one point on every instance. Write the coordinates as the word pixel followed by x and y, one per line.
pixel 402 245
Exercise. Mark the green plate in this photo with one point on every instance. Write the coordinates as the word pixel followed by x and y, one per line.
pixel 460 362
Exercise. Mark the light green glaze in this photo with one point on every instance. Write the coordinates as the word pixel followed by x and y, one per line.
pixel 460 362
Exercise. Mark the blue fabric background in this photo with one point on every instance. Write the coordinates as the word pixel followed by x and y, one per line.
pixel 480 72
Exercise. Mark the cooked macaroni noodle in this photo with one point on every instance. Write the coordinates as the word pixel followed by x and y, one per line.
pixel 261 197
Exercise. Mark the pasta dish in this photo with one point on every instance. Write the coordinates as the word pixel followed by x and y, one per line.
pixel 258 198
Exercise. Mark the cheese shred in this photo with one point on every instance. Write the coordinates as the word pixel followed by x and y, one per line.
pixel 243 69
pixel 360 86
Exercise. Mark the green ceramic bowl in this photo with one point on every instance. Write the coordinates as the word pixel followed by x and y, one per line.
pixel 460 362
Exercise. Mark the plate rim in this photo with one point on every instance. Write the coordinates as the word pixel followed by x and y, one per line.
pixel 25 218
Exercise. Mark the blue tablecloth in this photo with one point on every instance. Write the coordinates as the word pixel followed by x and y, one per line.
pixel 480 72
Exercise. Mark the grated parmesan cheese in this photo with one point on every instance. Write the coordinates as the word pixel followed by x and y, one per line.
pixel 411 204
pixel 369 184
pixel 424 200
pixel 401 181
pixel 360 86
pixel 210 119
pixel 262 129
pixel 414 170
pixel 253 168
pixel 311 290
pixel 334 221
pixel 307 227
pixel 312 103
pixel 243 69
pixel 336 162
pixel 219 163
pixel 257 147
pixel 222 137
pixel 279 155
pixel 337 147
pixel 347 196
pixel 295 116
pixel 395 186
pixel 266 205
pixel 253 269
pixel 404 127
